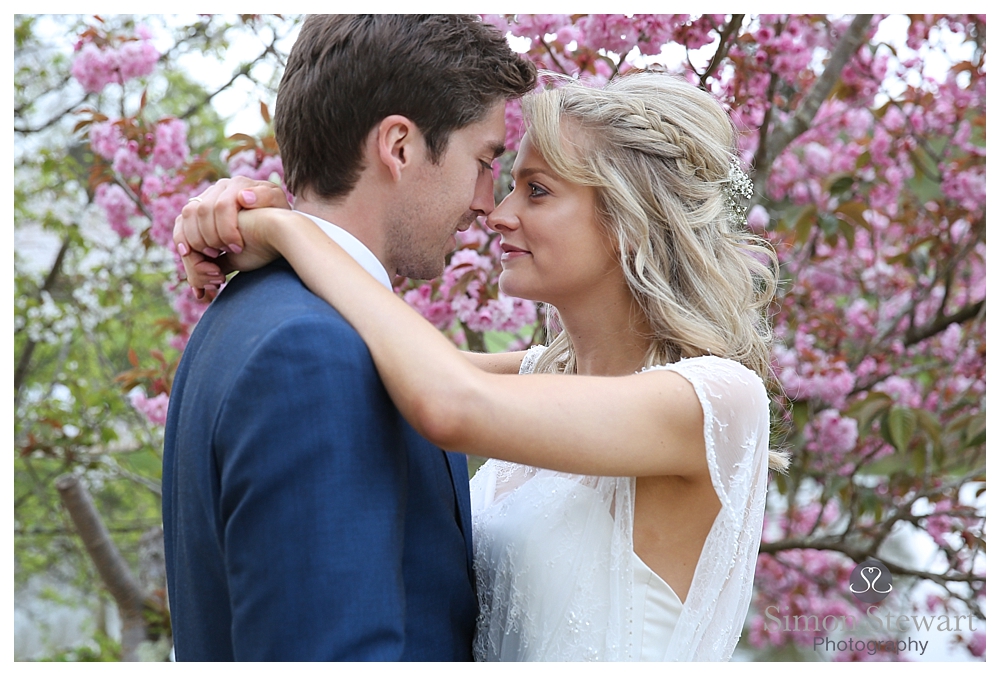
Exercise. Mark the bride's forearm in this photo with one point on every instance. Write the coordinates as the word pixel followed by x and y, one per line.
pixel 429 380
pixel 503 363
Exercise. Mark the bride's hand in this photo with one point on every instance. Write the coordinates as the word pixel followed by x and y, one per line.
pixel 207 228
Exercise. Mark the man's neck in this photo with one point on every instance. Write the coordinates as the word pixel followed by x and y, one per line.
pixel 351 215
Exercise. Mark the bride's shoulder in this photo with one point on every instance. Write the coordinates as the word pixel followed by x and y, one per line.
pixel 708 364
pixel 727 378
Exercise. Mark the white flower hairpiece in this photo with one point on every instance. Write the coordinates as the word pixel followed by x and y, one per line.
pixel 738 190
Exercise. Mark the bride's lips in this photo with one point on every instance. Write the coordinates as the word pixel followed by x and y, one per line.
pixel 512 253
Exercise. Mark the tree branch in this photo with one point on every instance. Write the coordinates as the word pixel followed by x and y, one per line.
pixel 29 348
pixel 859 554
pixel 552 55
pixel 800 122
pixel 114 572
pixel 244 71
pixel 916 334
pixel 54 119
pixel 724 46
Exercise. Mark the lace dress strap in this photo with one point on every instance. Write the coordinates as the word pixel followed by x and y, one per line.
pixel 734 404
pixel 530 359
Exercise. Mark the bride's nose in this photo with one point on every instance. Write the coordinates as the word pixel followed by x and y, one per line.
pixel 502 218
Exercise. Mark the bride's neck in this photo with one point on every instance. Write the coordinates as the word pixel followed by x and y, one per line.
pixel 609 340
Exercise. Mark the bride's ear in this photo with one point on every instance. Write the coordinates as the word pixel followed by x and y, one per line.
pixel 398 142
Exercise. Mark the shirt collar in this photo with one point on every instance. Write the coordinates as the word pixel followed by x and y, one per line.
pixel 353 246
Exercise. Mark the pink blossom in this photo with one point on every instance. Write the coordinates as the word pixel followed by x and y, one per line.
pixel 977 644
pixel 498 20
pixel 613 32
pixel 901 390
pixel 106 138
pixel 188 308
pixel 811 374
pixel 474 238
pixel 514 121
pixel 127 162
pixel 96 67
pixel 968 188
pixel 165 210
pixel 537 26
pixel 758 218
pixel 154 409
pixel 817 158
pixel 437 312
pixel 828 432
pixel 171 149
pixel 137 58
pixel 118 207
pixel 500 314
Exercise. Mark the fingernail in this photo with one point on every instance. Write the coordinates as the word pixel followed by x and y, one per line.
pixel 236 248
pixel 249 197
pixel 210 252
pixel 183 249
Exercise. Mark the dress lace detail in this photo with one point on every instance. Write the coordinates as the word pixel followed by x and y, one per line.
pixel 554 556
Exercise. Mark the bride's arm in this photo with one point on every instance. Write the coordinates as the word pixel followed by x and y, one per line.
pixel 207 225
pixel 500 362
pixel 639 425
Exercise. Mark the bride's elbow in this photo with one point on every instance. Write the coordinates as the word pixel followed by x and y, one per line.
pixel 440 415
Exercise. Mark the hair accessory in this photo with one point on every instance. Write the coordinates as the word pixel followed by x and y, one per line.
pixel 738 190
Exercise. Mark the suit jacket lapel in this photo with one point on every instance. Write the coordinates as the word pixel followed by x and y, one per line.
pixel 458 465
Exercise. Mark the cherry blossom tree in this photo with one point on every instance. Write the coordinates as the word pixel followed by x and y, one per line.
pixel 868 160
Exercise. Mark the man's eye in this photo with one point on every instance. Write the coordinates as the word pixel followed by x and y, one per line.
pixel 488 166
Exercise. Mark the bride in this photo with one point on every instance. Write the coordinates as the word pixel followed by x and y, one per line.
pixel 621 513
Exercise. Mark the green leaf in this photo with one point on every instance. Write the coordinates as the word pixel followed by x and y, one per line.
pixel 929 424
pixel 800 414
pixel 975 433
pixel 841 184
pixel 901 423
pixel 804 223
pixel 854 212
pixel 867 409
pixel 847 230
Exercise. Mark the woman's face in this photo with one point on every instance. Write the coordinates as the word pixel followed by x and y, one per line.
pixel 555 251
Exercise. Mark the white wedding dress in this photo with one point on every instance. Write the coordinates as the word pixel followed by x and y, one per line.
pixel 557 577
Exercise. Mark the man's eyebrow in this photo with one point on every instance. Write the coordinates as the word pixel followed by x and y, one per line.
pixel 498 150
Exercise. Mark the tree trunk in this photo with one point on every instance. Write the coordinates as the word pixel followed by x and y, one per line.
pixel 125 589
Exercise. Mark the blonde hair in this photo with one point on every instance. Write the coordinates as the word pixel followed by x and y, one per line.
pixel 659 150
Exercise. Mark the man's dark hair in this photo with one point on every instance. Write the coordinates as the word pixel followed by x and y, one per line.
pixel 346 73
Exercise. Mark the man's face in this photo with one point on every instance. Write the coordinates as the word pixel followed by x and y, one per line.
pixel 447 197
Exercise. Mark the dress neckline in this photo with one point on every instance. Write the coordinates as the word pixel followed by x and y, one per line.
pixel 656 578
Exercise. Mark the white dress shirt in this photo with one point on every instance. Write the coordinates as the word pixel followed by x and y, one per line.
pixel 353 246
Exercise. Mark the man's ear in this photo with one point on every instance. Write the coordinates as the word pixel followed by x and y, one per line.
pixel 399 142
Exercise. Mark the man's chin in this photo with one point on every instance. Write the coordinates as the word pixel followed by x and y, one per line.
pixel 424 272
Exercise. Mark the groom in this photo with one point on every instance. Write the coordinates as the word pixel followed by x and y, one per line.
pixel 304 519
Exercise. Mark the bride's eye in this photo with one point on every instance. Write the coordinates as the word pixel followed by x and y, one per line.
pixel 537 190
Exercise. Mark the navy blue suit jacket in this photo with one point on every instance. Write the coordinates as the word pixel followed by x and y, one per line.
pixel 304 519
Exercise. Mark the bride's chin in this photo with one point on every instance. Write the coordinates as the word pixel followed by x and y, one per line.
pixel 508 284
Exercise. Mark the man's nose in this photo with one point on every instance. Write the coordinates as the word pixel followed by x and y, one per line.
pixel 483 202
